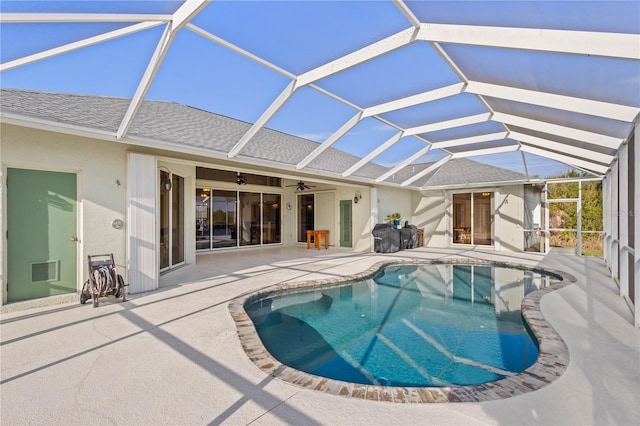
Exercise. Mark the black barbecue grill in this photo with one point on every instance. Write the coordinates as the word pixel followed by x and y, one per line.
pixel 386 238
pixel 409 236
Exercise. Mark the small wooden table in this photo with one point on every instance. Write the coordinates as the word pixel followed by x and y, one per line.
pixel 317 236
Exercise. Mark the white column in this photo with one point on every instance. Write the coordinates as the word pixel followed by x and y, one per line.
pixel 373 219
pixel 545 206
pixel 615 213
pixel 606 216
pixel 142 235
pixel 496 221
pixel 623 273
pixel 579 221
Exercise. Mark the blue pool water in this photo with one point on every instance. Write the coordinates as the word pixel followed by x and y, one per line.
pixel 409 325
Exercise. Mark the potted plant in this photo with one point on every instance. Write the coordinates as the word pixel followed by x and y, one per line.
pixel 394 218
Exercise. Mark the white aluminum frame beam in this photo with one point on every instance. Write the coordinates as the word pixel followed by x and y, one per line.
pixel 471 140
pixel 571 161
pixel 611 45
pixel 227 45
pixel 407 13
pixel 373 154
pixel 49 53
pixel 486 151
pixel 404 163
pixel 550 100
pixel 264 118
pixel 571 151
pixel 420 98
pixel 181 17
pixel 554 129
pixel 330 140
pixel 426 171
pixel 367 53
pixel 449 124
pixel 524 163
pixel 30 18
pixel 360 56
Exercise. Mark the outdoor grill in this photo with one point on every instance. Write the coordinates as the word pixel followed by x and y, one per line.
pixel 386 238
pixel 409 236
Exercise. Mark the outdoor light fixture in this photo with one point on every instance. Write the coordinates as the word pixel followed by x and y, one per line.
pixel 241 180
pixel 166 181
pixel 357 197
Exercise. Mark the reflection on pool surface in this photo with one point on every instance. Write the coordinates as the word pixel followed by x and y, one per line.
pixel 408 325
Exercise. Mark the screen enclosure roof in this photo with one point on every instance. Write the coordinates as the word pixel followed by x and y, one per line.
pixel 401 87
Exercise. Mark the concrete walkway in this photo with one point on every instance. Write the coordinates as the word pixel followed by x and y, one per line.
pixel 173 357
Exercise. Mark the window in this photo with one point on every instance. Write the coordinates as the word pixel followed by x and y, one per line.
pixel 473 218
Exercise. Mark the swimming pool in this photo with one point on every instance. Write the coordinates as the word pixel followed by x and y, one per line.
pixel 408 325
pixel 320 356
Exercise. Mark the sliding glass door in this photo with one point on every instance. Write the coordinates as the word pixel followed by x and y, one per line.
pixel 306 215
pixel 235 218
pixel 223 231
pixel 171 220
pixel 271 208
pixel 473 218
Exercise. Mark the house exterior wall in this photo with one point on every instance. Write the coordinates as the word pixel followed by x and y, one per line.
pixel 361 223
pixel 102 168
pixel 100 200
pixel 432 212
pixel 511 205
pixel 392 200
pixel 430 215
pixel 326 207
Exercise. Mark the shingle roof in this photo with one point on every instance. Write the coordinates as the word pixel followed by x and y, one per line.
pixel 191 127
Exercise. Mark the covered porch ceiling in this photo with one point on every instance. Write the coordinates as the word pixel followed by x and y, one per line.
pixel 533 87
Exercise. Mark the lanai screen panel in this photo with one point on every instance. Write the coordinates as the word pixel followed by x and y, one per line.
pixel 363 90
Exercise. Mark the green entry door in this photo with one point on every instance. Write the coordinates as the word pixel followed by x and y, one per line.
pixel 42 243
pixel 345 223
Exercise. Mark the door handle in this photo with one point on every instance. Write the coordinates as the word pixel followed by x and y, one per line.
pixel 73 239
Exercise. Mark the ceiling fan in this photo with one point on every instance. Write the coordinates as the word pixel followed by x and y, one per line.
pixel 301 186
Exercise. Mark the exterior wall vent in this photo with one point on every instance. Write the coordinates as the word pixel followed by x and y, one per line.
pixel 45 271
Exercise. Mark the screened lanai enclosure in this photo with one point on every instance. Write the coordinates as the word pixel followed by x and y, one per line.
pixel 373 94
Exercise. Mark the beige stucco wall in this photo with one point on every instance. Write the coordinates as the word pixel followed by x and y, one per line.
pixel 361 220
pixel 433 214
pixel 391 200
pixel 511 204
pixel 429 214
pixel 98 165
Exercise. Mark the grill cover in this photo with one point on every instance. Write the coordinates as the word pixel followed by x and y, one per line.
pixel 386 238
pixel 409 236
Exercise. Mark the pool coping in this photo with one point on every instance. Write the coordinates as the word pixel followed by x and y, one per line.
pixel 552 362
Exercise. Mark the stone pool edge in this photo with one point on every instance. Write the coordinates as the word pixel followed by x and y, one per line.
pixel 553 357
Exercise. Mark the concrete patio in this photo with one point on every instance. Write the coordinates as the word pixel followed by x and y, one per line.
pixel 173 356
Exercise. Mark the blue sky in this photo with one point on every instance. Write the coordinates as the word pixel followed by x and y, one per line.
pixel 299 36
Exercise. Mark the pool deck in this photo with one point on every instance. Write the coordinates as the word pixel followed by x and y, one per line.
pixel 173 356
